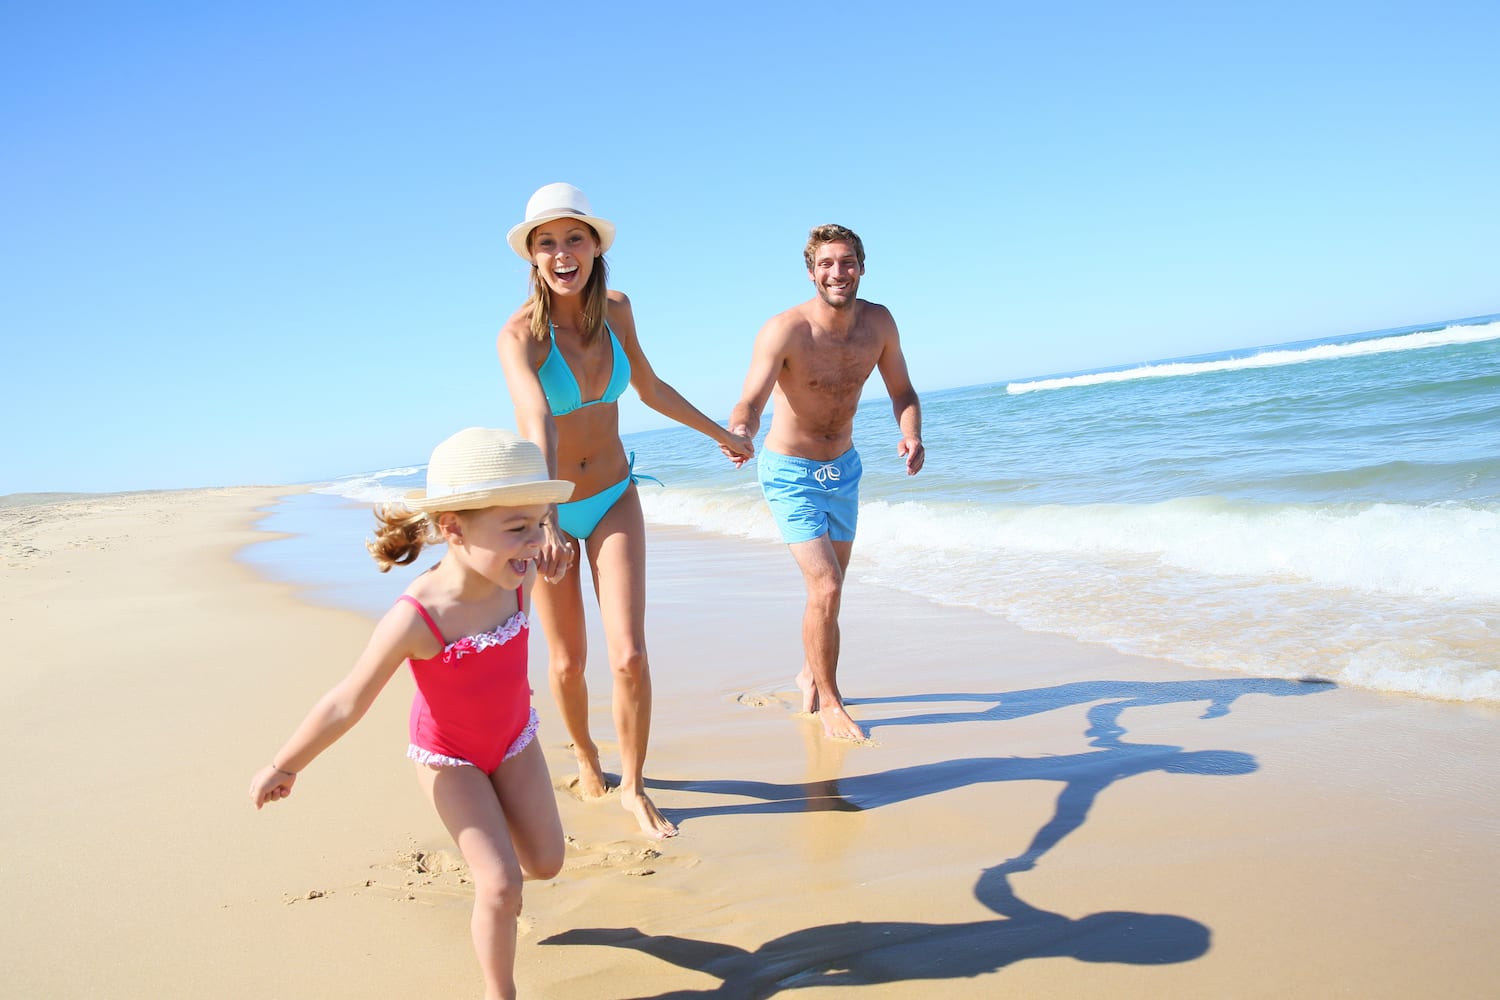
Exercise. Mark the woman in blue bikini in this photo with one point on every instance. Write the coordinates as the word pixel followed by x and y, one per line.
pixel 568 355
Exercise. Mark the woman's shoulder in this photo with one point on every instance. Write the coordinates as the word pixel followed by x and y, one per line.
pixel 519 323
pixel 621 319
pixel 516 335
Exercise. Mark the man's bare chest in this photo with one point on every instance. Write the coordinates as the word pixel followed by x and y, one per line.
pixel 830 365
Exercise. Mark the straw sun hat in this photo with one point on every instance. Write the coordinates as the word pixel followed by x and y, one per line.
pixel 480 467
pixel 558 201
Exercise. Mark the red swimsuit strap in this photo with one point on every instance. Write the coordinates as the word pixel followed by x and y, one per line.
pixel 433 625
pixel 425 617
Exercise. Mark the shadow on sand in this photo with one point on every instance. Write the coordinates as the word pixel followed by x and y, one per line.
pixel 858 953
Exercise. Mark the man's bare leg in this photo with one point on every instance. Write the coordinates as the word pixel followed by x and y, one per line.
pixel 809 689
pixel 823 564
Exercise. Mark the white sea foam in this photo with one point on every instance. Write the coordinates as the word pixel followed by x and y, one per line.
pixel 1385 596
pixel 372 487
pixel 1470 334
pixel 738 513
pixel 1417 666
pixel 1430 552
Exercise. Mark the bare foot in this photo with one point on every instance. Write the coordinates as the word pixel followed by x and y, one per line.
pixel 652 822
pixel 809 691
pixel 838 725
pixel 591 781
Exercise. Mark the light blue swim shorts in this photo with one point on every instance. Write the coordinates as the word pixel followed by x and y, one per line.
pixel 810 498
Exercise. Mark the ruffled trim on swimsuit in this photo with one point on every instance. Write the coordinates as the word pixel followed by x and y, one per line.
pixel 422 756
pixel 527 735
pixel 502 634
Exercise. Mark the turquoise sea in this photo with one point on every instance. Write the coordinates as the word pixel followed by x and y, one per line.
pixel 1326 508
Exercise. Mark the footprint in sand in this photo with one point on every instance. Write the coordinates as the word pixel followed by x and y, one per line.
pixel 624 860
pixel 759 699
pixel 421 874
pixel 570 786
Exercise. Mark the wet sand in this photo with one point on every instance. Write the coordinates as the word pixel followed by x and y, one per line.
pixel 1032 816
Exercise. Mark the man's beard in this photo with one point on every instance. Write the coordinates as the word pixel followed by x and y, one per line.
pixel 847 303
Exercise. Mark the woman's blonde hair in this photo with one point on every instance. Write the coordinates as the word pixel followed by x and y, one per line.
pixel 595 299
pixel 400 537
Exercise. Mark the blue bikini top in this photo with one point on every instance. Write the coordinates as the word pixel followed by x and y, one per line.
pixel 560 385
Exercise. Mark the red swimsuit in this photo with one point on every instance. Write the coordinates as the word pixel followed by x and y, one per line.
pixel 473 701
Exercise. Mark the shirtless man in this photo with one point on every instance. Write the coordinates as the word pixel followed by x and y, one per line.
pixel 815 358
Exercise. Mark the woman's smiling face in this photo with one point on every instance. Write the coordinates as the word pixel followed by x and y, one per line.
pixel 563 251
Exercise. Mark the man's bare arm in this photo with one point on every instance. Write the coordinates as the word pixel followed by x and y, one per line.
pixel 766 361
pixel 904 403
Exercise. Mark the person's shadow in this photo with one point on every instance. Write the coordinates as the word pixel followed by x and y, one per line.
pixel 863 954
pixel 1083 775
pixel 1219 694
pixel 858 953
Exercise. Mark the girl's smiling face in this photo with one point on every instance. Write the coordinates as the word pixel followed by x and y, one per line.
pixel 499 543
pixel 563 251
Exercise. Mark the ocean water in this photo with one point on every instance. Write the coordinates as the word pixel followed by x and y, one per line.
pixel 1319 509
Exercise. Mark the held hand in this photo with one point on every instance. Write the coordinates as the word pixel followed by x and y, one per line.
pixel 270 784
pixel 914 452
pixel 739 449
pixel 557 554
pixel 742 448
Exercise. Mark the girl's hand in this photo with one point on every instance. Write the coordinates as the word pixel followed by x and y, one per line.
pixel 271 784
pixel 557 553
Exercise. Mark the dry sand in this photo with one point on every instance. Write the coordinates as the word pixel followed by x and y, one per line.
pixel 1033 817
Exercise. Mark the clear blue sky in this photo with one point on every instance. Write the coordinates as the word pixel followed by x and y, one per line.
pixel 264 243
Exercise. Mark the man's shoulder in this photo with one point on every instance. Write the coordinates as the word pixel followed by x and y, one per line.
pixel 874 312
pixel 788 323
pixel 802 322
pixel 799 314
pixel 805 315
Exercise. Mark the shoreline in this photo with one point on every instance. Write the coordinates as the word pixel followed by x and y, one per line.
pixel 1035 817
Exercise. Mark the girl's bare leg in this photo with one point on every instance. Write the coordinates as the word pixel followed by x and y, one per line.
pixel 617 552
pixel 525 792
pixel 559 608
pixel 468 806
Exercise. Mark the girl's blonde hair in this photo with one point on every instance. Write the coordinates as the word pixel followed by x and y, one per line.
pixel 595 299
pixel 400 537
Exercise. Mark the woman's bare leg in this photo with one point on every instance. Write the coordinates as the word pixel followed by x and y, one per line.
pixel 617 552
pixel 559 608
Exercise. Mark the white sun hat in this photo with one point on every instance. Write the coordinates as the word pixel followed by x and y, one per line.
pixel 557 201
pixel 482 467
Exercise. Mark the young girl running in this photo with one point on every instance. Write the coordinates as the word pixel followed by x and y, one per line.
pixel 462 625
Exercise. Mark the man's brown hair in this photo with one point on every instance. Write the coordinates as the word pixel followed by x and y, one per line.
pixel 832 233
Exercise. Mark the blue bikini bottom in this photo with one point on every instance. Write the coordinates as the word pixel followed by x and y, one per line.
pixel 580 517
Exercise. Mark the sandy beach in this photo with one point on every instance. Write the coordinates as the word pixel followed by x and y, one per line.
pixel 1033 817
